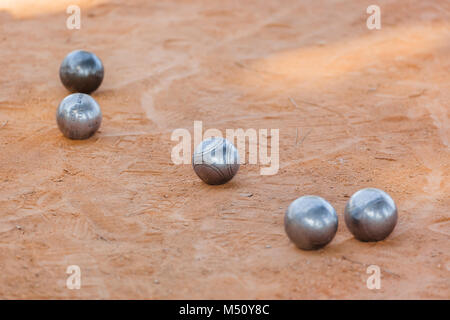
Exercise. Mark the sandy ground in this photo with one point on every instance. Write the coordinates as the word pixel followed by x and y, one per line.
pixel 366 108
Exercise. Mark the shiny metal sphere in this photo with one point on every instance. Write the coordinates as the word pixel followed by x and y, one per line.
pixel 216 160
pixel 370 215
pixel 78 116
pixel 81 71
pixel 310 222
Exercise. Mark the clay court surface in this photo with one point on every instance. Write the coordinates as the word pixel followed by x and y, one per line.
pixel 355 108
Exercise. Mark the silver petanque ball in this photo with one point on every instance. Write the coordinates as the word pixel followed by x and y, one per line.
pixel 78 116
pixel 370 215
pixel 310 222
pixel 81 71
pixel 216 160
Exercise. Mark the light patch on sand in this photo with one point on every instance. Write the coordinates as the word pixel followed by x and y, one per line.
pixel 31 8
pixel 440 116
pixel 369 52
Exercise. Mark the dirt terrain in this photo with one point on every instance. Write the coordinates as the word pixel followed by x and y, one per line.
pixel 355 107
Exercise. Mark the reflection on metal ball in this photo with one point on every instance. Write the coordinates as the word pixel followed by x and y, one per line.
pixel 216 160
pixel 310 222
pixel 78 116
pixel 81 71
pixel 370 214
